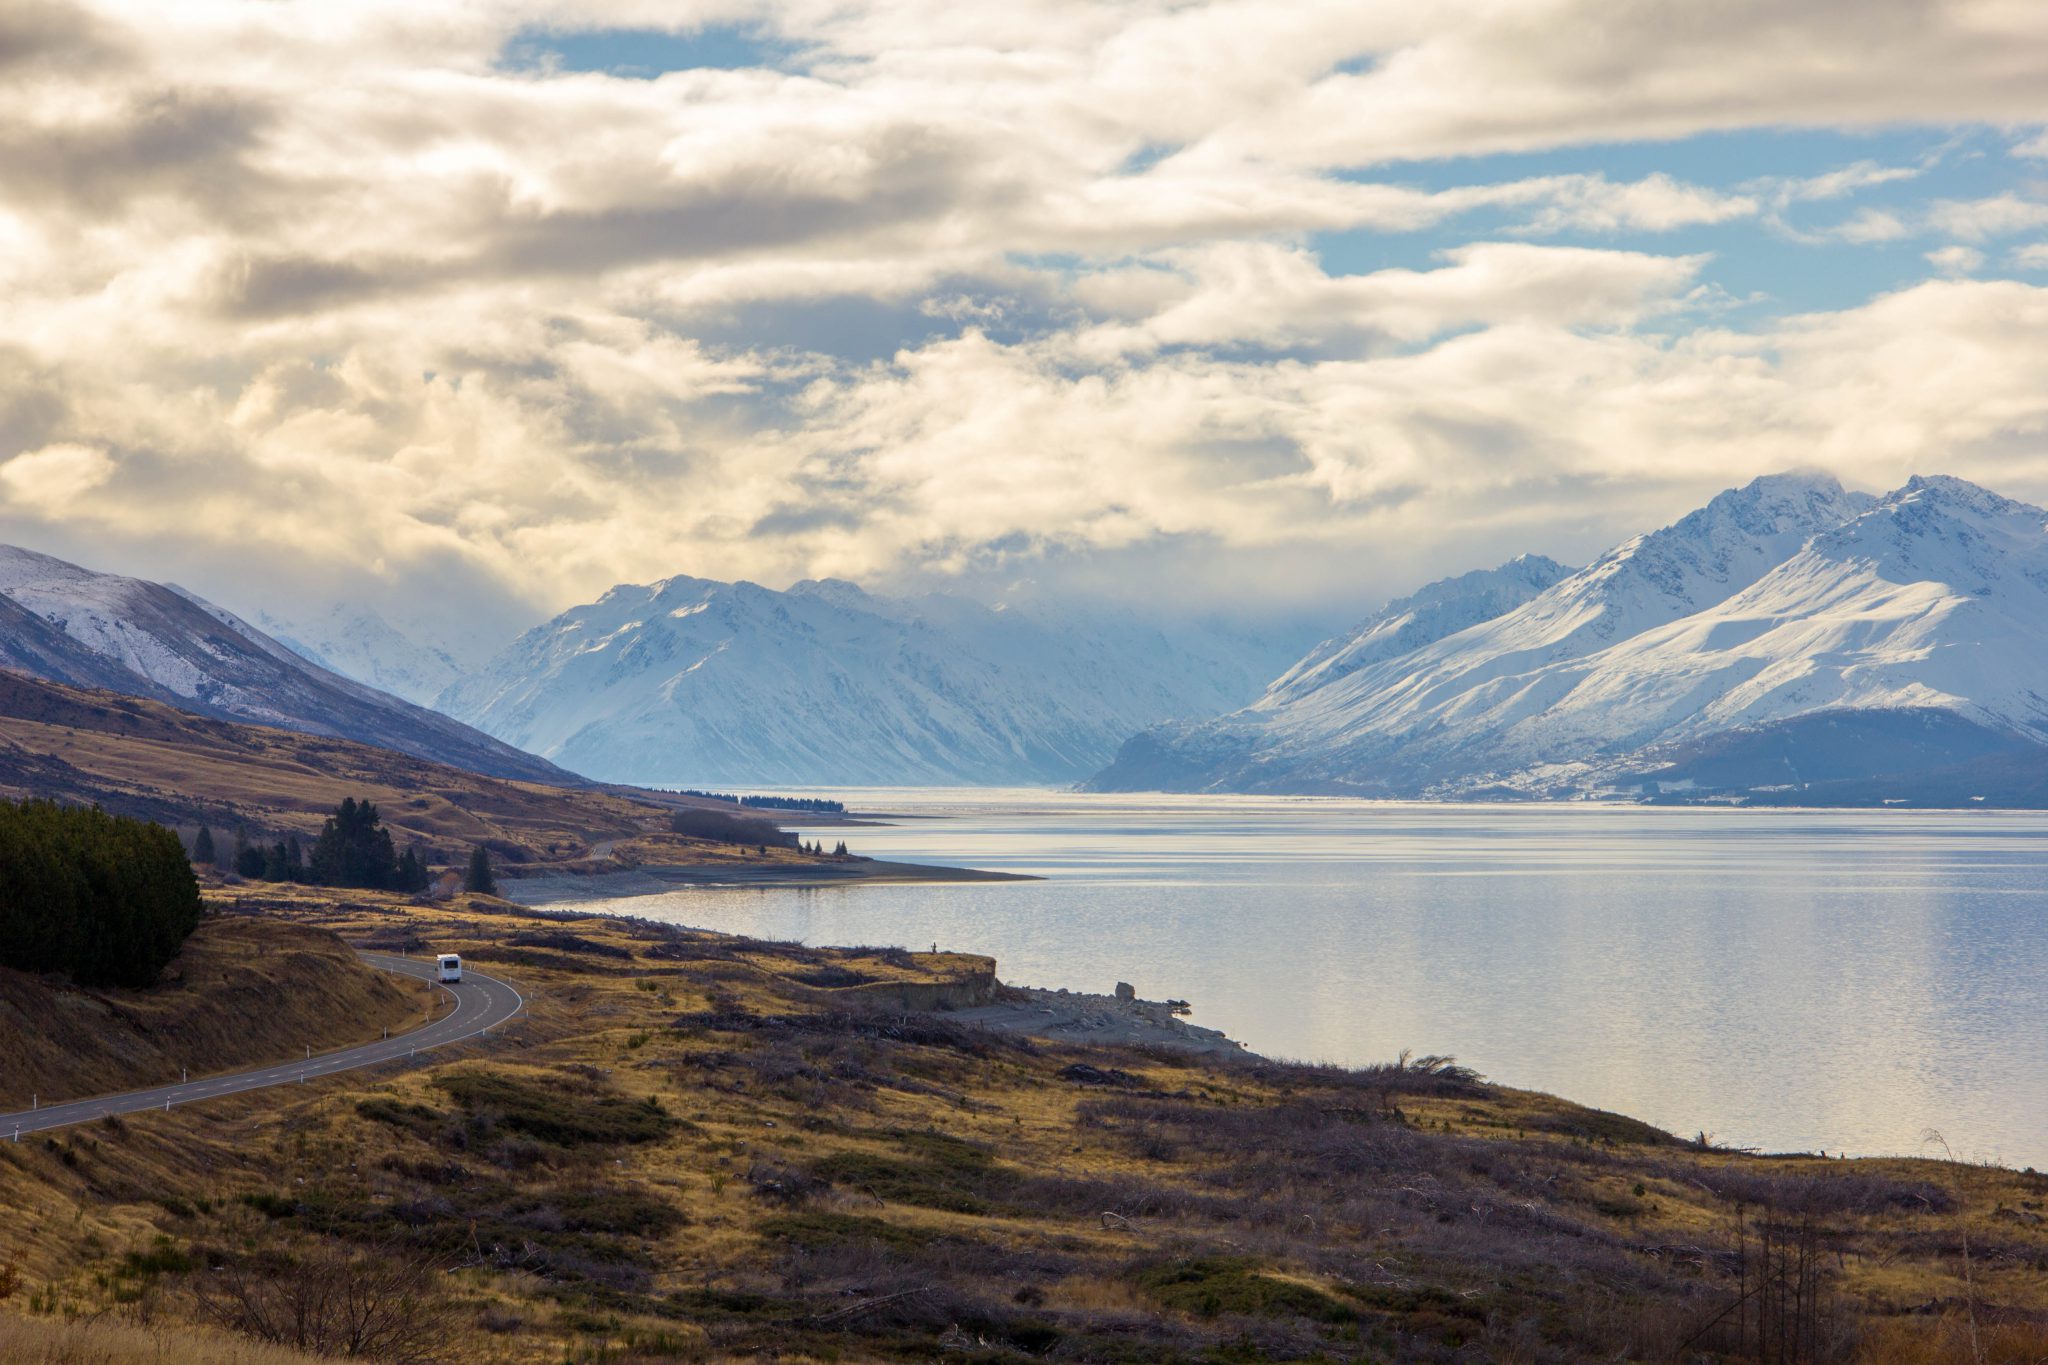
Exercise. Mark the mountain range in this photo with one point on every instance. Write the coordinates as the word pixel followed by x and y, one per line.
pixel 1788 637
pixel 71 625
pixel 693 680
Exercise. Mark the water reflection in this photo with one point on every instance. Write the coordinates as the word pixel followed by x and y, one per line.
pixel 1793 980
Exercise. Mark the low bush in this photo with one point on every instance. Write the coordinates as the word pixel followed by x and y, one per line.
pixel 564 1115
pixel 816 1230
pixel 1205 1286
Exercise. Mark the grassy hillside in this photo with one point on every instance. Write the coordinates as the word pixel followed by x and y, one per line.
pixel 145 758
pixel 703 1148
pixel 242 992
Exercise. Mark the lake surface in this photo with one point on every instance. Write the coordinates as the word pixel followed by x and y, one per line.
pixel 1791 980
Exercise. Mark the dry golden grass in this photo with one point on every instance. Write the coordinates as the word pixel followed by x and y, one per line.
pixel 47 1341
pixel 969 1178
pixel 240 992
pixel 148 759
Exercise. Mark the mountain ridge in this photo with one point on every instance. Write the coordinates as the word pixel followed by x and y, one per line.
pixel 690 680
pixel 69 624
pixel 1780 600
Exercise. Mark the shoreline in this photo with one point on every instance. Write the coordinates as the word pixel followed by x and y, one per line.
pixel 557 888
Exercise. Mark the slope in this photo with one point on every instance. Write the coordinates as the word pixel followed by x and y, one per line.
pixel 150 640
pixel 145 758
pixel 1529 696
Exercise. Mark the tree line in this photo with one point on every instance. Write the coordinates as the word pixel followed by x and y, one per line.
pixel 354 850
pixel 810 803
pixel 105 898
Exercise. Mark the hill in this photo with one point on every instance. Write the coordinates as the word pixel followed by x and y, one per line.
pixel 707 1148
pixel 218 1007
pixel 147 758
pixel 71 625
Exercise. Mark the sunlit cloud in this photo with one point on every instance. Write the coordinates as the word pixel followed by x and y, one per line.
pixel 902 291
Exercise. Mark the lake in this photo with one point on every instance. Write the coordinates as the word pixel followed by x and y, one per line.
pixel 1790 980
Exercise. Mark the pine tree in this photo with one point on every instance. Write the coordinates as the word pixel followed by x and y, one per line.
pixel 412 872
pixel 354 849
pixel 248 859
pixel 275 869
pixel 480 878
pixel 105 898
pixel 202 847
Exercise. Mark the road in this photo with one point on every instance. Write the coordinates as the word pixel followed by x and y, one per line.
pixel 481 1003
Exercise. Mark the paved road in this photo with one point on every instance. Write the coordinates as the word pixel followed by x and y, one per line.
pixel 481 1003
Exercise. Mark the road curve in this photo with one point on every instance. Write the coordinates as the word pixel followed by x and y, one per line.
pixel 481 1003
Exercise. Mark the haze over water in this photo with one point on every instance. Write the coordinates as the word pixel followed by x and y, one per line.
pixel 1790 980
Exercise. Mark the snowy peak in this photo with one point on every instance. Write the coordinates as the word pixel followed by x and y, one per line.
pixel 1775 603
pixel 69 624
pixel 693 681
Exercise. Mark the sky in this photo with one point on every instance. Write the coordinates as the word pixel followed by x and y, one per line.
pixel 469 311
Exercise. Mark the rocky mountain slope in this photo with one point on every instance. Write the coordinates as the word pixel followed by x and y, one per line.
pixel 71 625
pixel 1693 658
pixel 694 681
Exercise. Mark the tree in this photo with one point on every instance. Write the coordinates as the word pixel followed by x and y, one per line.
pixel 354 849
pixel 412 871
pixel 248 859
pixel 202 847
pixel 480 878
pixel 108 899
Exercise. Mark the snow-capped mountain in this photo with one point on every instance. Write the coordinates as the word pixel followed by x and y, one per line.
pixel 360 644
pixel 691 680
pixel 72 625
pixel 1916 625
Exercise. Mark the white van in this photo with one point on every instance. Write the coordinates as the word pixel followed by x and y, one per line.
pixel 451 968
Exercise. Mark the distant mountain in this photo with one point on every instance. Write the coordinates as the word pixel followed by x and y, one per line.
pixel 691 680
pixel 72 625
pixel 360 644
pixel 1789 634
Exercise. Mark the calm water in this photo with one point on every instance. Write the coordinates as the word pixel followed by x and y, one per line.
pixel 1796 981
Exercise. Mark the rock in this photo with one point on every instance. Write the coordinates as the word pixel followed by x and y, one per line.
pixel 1126 992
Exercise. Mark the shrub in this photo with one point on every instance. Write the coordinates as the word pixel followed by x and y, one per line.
pixel 554 1113
pixel 1208 1285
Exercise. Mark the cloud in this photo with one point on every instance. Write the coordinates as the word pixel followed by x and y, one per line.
pixel 1869 226
pixel 1956 260
pixel 296 283
pixel 56 476
pixel 1975 220
pixel 2032 256
pixel 1656 203
pixel 1254 295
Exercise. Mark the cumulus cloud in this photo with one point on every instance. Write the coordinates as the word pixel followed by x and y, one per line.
pixel 1976 220
pixel 54 477
pixel 954 286
pixel 1956 259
